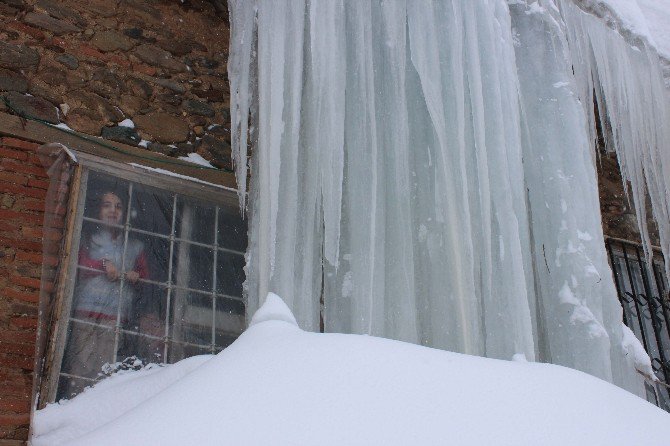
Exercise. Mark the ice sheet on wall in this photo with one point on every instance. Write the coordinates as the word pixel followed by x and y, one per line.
pixel 423 172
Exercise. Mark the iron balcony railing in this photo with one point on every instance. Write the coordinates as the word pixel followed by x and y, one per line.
pixel 643 291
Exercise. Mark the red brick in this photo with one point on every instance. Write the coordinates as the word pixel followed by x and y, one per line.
pixel 89 51
pixel 8 226
pixel 18 336
pixel 24 296
pixel 15 405
pixel 15 241
pixel 19 143
pixel 17 348
pixel 7 214
pixel 15 166
pixel 40 184
pixel 25 29
pixel 14 154
pixel 14 419
pixel 23 322
pixel 22 190
pixel 32 257
pixel 27 282
pixel 32 232
pixel 30 204
pixel 14 178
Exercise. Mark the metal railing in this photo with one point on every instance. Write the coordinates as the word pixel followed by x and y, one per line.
pixel 643 291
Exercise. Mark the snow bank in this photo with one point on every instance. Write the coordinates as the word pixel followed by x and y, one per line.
pixel 109 399
pixel 282 386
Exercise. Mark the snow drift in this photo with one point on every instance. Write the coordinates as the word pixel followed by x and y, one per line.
pixel 280 385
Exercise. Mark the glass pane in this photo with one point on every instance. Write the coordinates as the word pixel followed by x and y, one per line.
pixel 195 221
pixel 178 351
pixel 147 255
pixel 136 350
pixel 232 232
pixel 192 266
pixel 69 386
pixel 147 311
pixel 151 209
pixel 229 273
pixel 191 316
pixel 88 348
pixel 230 321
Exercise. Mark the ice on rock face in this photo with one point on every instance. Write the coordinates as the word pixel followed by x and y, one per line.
pixel 424 171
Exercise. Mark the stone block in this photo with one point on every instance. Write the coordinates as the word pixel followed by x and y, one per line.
pixel 111 40
pixel 11 81
pixel 163 127
pixel 84 121
pixel 200 108
pixel 170 84
pixel 33 106
pixel 56 26
pixel 124 135
pixel 158 57
pixel 69 61
pixel 17 56
pixel 52 75
pixel 59 11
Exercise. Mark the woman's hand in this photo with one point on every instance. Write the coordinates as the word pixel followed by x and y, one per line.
pixel 110 270
pixel 132 276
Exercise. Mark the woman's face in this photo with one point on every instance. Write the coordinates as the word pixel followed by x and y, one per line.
pixel 111 209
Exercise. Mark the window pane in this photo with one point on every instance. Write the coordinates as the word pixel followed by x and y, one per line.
pixel 232 232
pixel 191 332
pixel 230 321
pixel 140 349
pixel 148 255
pixel 229 273
pixel 147 311
pixel 89 346
pixel 151 209
pixel 69 386
pixel 195 221
pixel 178 351
pixel 192 266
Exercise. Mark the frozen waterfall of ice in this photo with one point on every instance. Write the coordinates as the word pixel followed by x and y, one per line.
pixel 424 171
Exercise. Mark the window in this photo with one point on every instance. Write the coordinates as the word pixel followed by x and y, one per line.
pixel 155 276
pixel 643 292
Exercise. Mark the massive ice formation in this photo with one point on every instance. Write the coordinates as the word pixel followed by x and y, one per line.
pixel 424 170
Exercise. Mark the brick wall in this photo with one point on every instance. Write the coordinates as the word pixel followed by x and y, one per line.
pixel 23 188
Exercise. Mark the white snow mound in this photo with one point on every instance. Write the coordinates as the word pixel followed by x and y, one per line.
pixel 278 385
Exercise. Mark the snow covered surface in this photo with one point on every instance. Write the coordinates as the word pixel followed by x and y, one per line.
pixel 196 158
pixel 657 15
pixel 278 385
pixel 127 123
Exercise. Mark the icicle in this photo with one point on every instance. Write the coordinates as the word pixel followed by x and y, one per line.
pixel 625 74
pixel 422 178
pixel 242 31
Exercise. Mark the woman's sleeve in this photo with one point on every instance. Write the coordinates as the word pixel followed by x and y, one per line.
pixel 141 266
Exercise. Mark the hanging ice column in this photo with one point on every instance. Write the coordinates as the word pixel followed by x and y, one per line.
pixel 398 161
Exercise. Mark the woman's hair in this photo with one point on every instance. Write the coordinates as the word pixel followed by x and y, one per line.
pixel 96 195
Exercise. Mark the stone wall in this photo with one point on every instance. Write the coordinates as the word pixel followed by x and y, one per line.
pixel 618 213
pixel 91 64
